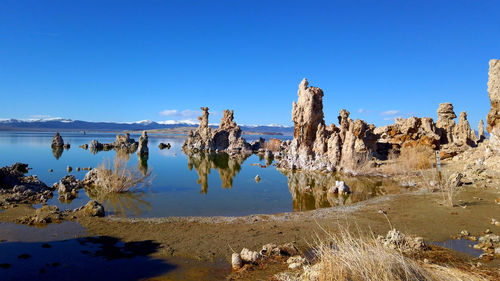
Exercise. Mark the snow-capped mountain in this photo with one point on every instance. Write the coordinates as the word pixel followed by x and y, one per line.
pixel 61 124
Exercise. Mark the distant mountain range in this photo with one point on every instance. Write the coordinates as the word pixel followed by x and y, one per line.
pixel 60 124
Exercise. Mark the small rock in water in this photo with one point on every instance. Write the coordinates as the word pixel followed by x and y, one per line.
pixel 78 169
pixel 257 178
pixel 69 169
pixel 51 170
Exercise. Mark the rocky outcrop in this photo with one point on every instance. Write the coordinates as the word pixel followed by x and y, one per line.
pixel 446 122
pixel 57 141
pixel 462 133
pixel 15 187
pixel 122 143
pixel 318 147
pixel 480 131
pixel 493 118
pixel 307 116
pixel 355 145
pixel 143 144
pixel 162 146
pixel 410 132
pixel 226 138
pixel 68 188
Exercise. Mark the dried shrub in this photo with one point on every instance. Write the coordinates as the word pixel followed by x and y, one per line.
pixel 116 177
pixel 273 144
pixel 414 158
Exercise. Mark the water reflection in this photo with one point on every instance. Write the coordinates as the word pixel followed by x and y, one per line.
pixel 121 204
pixel 228 167
pixel 57 151
pixel 143 164
pixel 310 190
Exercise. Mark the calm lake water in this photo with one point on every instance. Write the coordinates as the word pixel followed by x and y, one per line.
pixel 185 185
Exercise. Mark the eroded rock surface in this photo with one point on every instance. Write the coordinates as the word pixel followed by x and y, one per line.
pixel 143 144
pixel 493 118
pixel 354 145
pixel 57 141
pixel 225 138
pixel 15 187
pixel 68 188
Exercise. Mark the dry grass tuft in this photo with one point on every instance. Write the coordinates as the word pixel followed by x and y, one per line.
pixel 416 158
pixel 116 177
pixel 346 256
pixel 273 144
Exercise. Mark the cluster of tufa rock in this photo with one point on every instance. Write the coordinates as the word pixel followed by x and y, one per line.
pixel 353 144
pixel 123 142
pixel 51 214
pixel 68 188
pixel 225 138
pixel 398 241
pixel 268 251
pixel 15 187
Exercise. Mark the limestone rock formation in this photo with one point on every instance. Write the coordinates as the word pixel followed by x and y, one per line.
pixel 480 131
pixel 68 188
pixel 143 144
pixel 123 143
pixel 16 188
pixel 226 138
pixel 307 115
pixel 493 118
pixel 317 147
pixel 200 138
pixel 355 145
pixel 57 141
pixel 445 122
pixel 462 133
pixel 410 132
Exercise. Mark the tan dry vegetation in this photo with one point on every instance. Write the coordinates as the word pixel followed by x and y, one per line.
pixel 351 256
pixel 116 177
pixel 272 144
pixel 415 158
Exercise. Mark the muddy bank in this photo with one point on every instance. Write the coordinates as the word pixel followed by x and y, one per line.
pixel 209 240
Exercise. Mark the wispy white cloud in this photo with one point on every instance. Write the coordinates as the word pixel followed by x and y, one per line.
pixel 390 113
pixel 364 111
pixel 169 112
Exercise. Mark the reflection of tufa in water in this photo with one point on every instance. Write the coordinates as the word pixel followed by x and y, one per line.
pixel 310 190
pixel 57 151
pixel 228 167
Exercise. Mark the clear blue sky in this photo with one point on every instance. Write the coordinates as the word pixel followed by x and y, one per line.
pixel 133 60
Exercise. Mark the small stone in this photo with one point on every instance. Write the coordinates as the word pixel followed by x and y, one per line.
pixel 69 169
pixel 257 178
pixel 236 261
pixel 249 256
pixel 487 231
pixel 51 170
